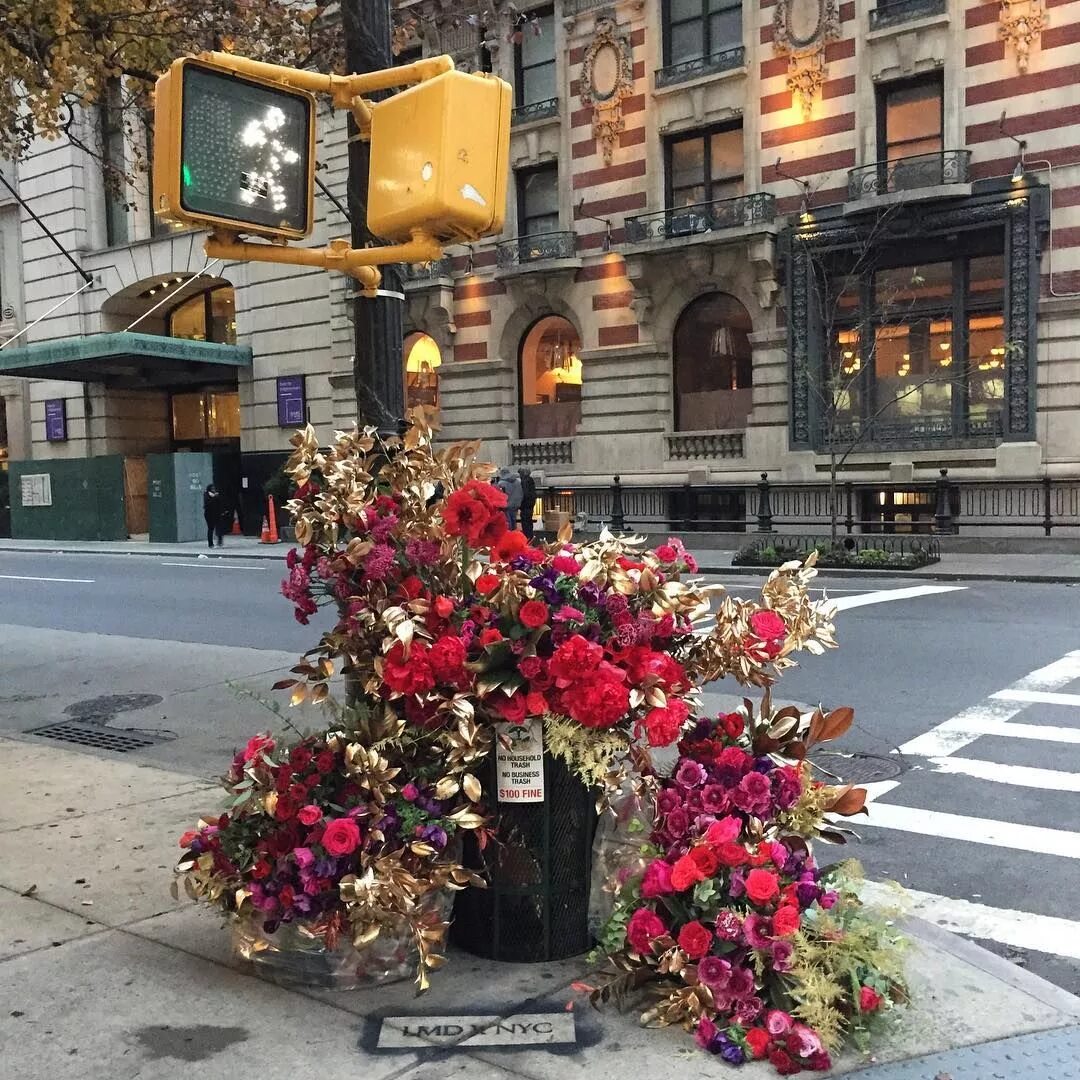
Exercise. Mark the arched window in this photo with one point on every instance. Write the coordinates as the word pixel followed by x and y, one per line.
pixel 208 316
pixel 550 379
pixel 712 359
pixel 422 360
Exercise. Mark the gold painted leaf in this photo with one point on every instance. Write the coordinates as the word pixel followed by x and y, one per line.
pixel 446 788
pixel 472 787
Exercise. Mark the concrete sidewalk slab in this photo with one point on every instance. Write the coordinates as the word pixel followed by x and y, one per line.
pixel 140 985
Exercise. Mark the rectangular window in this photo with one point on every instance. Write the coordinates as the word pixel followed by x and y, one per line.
pixel 698 29
pixel 538 200
pixel 534 58
pixel 911 119
pixel 158 225
pixel 705 167
pixel 114 165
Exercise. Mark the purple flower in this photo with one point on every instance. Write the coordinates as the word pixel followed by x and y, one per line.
pixel 753 795
pixel 737 885
pixel 690 774
pixel 728 925
pixel 754 931
pixel 714 799
pixel 589 593
pixel 677 822
pixel 807 893
pixel 731 1052
pixel 422 552
pixel 304 857
pixel 764 765
pixel 705 1033
pixel 667 801
pixel 781 955
pixel 714 972
pixel 435 836
pixel 748 1010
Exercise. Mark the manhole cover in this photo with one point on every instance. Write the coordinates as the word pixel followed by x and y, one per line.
pixel 860 768
pixel 101 738
pixel 101 710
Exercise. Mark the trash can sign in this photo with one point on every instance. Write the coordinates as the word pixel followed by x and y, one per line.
pixel 519 761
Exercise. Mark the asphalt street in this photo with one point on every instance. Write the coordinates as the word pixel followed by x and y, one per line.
pixel 967 703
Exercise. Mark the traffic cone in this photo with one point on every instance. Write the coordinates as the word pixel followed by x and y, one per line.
pixel 264 537
pixel 274 539
pixel 236 530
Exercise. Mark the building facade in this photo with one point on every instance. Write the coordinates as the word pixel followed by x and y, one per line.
pixel 798 237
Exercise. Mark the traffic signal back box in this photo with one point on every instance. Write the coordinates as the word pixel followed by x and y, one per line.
pixel 440 154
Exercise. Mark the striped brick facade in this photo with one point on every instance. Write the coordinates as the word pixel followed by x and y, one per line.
pixel 624 297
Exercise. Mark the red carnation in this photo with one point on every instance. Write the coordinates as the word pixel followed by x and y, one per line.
pixel 300 757
pixel 410 674
pixel 781 1061
pixel 664 725
pixel 757 1040
pixel 189 838
pixel 598 703
pixel 666 553
pixel 257 746
pixel 261 870
pixel 324 762
pixel 444 607
pixel 694 940
pixel 533 614
pixel 530 667
pixel 486 584
pixel 447 660
pixel 643 929
pixel 575 659
pixel 341 837
pixel 761 886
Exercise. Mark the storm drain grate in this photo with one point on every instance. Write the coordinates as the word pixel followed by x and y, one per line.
pixel 860 768
pixel 100 738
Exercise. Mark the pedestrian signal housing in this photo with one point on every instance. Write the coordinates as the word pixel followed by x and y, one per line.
pixel 233 151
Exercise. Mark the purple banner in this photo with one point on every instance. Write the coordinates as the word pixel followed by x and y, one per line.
pixel 291 401
pixel 56 419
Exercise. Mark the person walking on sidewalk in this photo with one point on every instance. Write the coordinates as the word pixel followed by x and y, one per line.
pixel 213 506
pixel 528 501
pixel 509 483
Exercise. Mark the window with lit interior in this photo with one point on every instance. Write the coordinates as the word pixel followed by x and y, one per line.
pixel 422 362
pixel 551 379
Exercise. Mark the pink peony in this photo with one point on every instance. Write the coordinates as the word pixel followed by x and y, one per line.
pixel 778 1022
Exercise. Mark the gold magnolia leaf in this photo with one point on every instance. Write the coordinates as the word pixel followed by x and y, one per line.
pixel 446 788
pixel 472 787
pixel 298 695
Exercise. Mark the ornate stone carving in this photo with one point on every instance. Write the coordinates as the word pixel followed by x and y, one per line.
pixel 607 78
pixel 1020 24
pixel 799 346
pixel 801 30
pixel 1018 366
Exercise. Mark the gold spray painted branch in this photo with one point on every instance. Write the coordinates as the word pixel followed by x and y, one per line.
pixel 361 263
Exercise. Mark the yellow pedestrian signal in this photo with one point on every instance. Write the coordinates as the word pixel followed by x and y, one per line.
pixel 440 153
pixel 233 151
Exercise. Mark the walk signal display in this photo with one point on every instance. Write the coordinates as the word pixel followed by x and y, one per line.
pixel 440 154
pixel 233 152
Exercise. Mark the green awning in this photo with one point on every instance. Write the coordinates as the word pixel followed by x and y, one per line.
pixel 127 361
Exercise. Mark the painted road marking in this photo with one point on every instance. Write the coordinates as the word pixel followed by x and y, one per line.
pixel 216 565
pixel 992 716
pixel 64 580
pixel 1019 775
pixel 1042 696
pixel 1006 834
pixel 1020 929
pixel 467 1032
pixel 883 596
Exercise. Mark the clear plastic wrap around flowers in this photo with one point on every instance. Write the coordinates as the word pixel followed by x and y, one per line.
pixel 617 854
pixel 292 957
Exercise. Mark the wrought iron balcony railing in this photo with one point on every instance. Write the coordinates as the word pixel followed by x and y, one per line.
pixel 426 273
pixel 756 209
pixel 538 248
pixel 909 173
pixel 728 60
pixel 916 432
pixel 895 12
pixel 537 110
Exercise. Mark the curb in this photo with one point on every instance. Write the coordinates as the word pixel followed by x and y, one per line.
pixel 921 575
pixel 256 554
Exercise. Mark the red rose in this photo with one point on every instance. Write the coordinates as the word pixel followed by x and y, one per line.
pixel 685 874
pixel 869 999
pixel 786 921
pixel 705 859
pixel 444 607
pixel 643 929
pixel 782 1063
pixel 512 709
pixel 694 940
pixel 530 666
pixel 490 636
pixel 510 546
pixel 533 614
pixel 767 625
pixel 761 886
pixel 341 837
pixel 757 1041
pixel 257 746
pixel 666 553
pixel 732 724
pixel 732 854
pixel 309 815
pixel 324 762
pixel 486 584
pixel 261 870
pixel 300 757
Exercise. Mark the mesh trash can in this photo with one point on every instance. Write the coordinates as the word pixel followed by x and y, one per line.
pixel 536 906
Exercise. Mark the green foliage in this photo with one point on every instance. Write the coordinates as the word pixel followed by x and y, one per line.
pixel 833 555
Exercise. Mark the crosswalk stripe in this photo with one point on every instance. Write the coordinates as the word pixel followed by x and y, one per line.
pixel 1043 732
pixel 1043 697
pixel 882 596
pixel 1018 775
pixel 1020 929
pixel 1006 834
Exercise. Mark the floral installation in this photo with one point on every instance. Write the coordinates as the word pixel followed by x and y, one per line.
pixel 725 914
pixel 450 626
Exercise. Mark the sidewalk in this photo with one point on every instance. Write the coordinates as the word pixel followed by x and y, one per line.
pixel 105 976
pixel 954 566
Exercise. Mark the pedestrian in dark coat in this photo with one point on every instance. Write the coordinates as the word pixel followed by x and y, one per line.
pixel 528 501
pixel 213 506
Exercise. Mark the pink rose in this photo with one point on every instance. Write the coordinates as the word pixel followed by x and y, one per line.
pixel 778 1023
pixel 309 815
pixel 723 831
pixel 304 857
pixel 342 837
pixel 767 625
pixel 657 880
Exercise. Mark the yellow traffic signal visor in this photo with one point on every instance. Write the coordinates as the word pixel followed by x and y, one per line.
pixel 233 152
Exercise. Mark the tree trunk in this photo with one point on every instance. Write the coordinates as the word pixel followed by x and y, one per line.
pixel 378 374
